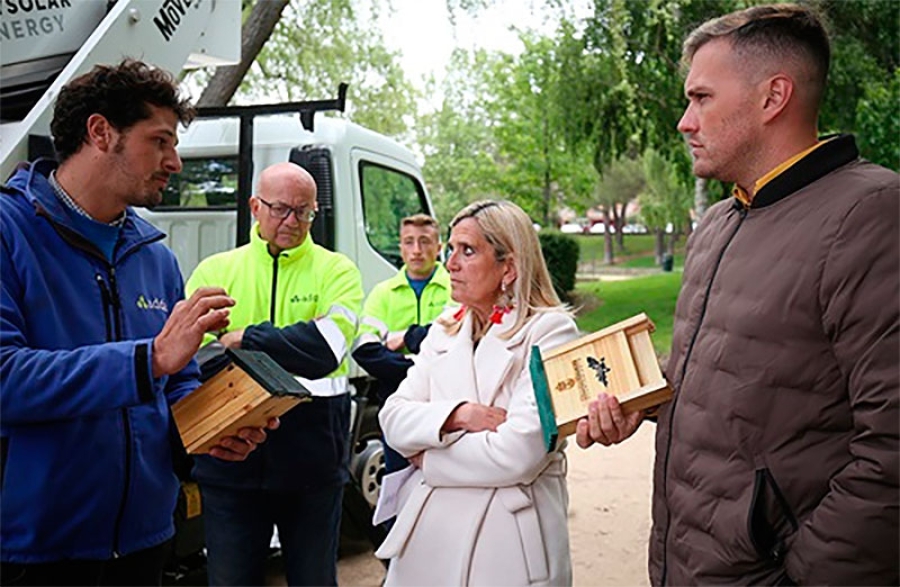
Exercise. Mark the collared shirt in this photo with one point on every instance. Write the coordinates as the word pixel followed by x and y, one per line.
pixel 73 205
pixel 746 198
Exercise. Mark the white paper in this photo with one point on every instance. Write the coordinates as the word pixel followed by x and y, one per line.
pixel 386 508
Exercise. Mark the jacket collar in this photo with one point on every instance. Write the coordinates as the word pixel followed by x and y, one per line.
pixel 261 248
pixel 32 180
pixel 836 152
pixel 440 278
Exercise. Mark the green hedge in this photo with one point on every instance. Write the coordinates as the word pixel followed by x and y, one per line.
pixel 561 253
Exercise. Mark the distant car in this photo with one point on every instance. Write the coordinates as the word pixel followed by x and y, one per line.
pixel 571 228
pixel 634 229
pixel 600 228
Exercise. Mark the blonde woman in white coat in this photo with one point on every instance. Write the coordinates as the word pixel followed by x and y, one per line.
pixel 486 504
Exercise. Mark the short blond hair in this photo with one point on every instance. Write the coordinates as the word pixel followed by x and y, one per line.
pixel 774 33
pixel 421 220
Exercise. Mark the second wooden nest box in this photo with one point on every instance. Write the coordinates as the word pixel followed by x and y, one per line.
pixel 618 360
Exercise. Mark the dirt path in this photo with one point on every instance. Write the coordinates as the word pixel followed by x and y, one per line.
pixel 609 517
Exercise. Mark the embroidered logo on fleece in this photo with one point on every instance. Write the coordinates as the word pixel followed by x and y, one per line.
pixel 153 304
pixel 305 298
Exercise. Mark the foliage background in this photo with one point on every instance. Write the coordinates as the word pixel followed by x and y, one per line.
pixel 582 117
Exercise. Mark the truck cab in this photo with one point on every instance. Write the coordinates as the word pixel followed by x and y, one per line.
pixel 366 184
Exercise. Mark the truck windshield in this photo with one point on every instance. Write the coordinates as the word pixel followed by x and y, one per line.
pixel 203 183
pixel 388 196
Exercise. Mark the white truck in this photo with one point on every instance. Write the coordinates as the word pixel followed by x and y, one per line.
pixel 366 182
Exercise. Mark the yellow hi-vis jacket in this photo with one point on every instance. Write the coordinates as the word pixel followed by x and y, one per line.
pixel 301 308
pixel 392 305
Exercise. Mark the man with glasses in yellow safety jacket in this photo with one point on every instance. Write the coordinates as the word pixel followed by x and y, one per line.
pixel 399 311
pixel 298 302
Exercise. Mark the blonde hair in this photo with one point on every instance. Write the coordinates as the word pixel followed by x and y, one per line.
pixel 511 234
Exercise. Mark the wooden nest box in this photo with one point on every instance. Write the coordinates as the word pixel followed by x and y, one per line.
pixel 247 392
pixel 618 360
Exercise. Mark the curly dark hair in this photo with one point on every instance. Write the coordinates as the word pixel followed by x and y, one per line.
pixel 121 94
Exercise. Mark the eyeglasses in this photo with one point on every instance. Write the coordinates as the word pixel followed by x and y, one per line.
pixel 282 211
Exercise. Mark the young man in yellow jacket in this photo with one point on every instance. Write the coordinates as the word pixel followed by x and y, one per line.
pixel 399 310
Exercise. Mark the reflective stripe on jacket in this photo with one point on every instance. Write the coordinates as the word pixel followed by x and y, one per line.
pixel 392 305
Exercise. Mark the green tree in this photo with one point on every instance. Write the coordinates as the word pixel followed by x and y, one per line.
pixel 320 43
pixel 621 76
pixel 878 122
pixel 664 201
pixel 620 183
pixel 458 138
pixel 863 94
pixel 538 171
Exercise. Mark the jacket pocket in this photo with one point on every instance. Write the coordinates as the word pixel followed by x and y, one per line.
pixel 770 520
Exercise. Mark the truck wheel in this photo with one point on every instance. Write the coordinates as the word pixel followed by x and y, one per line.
pixel 367 462
pixel 361 493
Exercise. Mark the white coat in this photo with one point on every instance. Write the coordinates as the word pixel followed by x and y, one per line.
pixel 487 508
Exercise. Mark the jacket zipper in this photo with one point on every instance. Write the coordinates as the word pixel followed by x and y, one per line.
pixel 107 303
pixel 274 289
pixel 272 319
pixel 687 357
pixel 115 303
pixel 419 305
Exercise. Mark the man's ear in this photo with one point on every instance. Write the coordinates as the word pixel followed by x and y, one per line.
pixel 100 132
pixel 254 206
pixel 778 93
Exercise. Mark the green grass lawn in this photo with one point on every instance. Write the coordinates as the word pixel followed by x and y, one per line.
pixel 638 251
pixel 592 245
pixel 649 262
pixel 607 302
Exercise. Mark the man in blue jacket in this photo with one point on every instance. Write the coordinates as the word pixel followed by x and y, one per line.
pixel 96 340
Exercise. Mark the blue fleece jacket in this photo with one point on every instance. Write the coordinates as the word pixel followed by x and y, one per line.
pixel 86 454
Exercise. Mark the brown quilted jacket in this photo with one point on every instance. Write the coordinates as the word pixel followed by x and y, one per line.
pixel 778 458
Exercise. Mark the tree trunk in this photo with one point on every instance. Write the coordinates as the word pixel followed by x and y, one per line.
pixel 620 226
pixel 659 244
pixel 701 197
pixel 608 256
pixel 688 227
pixel 673 240
pixel 254 34
pixel 547 184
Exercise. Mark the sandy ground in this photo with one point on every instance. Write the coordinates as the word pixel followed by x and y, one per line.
pixel 609 517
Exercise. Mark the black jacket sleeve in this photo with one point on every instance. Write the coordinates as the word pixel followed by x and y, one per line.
pixel 387 366
pixel 299 348
pixel 414 336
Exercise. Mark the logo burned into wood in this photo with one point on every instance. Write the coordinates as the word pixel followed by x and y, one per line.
pixel 600 368
pixel 600 371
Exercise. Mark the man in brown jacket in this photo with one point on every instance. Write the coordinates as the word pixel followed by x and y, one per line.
pixel 777 460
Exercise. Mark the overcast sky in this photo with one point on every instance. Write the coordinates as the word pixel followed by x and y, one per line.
pixel 421 30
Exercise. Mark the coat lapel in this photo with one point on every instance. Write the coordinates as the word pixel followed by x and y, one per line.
pixel 453 376
pixel 494 358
